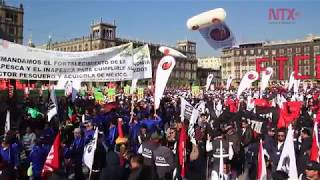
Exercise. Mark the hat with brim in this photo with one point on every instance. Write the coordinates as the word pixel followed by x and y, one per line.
pixel 313 165
pixel 155 136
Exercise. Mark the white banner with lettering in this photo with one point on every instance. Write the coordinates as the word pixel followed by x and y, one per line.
pixel 111 64
pixel 190 113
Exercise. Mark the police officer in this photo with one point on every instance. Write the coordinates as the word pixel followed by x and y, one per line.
pixel 164 162
pixel 147 148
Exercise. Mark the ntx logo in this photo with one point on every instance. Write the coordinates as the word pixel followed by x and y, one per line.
pixel 282 15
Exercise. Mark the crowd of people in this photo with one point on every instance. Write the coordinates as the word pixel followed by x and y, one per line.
pixel 137 142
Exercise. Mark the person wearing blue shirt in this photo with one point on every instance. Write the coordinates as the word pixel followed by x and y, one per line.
pixel 133 134
pixel 152 123
pixel 37 158
pixel 88 132
pixel 112 134
pixel 75 153
pixel 10 154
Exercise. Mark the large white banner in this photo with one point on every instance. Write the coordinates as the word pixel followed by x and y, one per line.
pixel 111 64
pixel 142 63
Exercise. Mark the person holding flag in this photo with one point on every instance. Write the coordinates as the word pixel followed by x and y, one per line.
pixel 53 161
pixel 94 156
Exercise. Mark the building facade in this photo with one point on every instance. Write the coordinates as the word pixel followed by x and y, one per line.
pixel 11 22
pixel 103 35
pixel 206 66
pixel 237 61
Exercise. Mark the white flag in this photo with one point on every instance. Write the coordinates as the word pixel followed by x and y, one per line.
pixel 291 81
pixel 218 108
pixel 89 150
pixel 221 162
pixel 246 81
pixel 262 169
pixel 68 88
pixel 164 70
pixel 190 113
pixel 229 81
pixel 265 77
pixel 209 79
pixel 296 85
pixel 7 125
pixel 250 103
pixel 83 118
pixel 133 85
pixel 287 162
pixel 52 105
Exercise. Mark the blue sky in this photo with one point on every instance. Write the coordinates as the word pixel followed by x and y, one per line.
pixel 164 20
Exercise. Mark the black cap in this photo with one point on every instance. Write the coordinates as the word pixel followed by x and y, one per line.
pixel 155 136
pixel 313 165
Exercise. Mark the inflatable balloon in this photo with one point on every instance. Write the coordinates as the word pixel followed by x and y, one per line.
pixel 206 19
pixel 171 52
pixel 212 27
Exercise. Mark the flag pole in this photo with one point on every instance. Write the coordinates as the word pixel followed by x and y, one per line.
pixel 132 108
pixel 90 174
pixel 207 168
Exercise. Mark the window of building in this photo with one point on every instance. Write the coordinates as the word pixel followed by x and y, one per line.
pixel 298 50
pixel 273 52
pixel 266 52
pixel 281 51
pixel 259 51
pixel 289 51
pixel 188 75
pixel 252 51
pixel 194 75
pixel 238 52
pixel 316 48
pixel 11 31
pixel 244 52
pixel 306 49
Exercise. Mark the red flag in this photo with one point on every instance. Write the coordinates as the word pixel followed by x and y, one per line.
pixel 314 153
pixel 262 103
pixel 281 120
pixel 262 171
pixel 288 113
pixel 53 159
pixel 318 116
pixel 110 106
pixel 232 104
pixel 121 139
pixel 182 150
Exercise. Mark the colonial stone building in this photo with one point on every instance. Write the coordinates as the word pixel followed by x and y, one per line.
pixel 237 61
pixel 103 35
pixel 206 66
pixel 11 22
